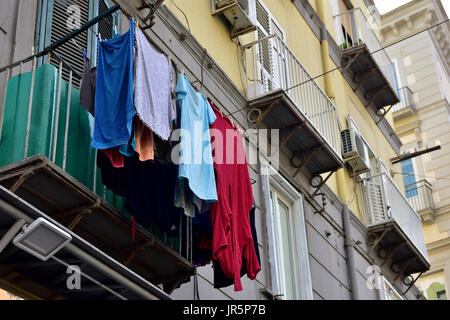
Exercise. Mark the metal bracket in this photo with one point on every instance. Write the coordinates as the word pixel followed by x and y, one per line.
pixel 21 180
pixel 81 213
pixel 412 283
pixel 405 265
pixel 377 238
pixel 305 162
pixel 323 182
pixel 377 93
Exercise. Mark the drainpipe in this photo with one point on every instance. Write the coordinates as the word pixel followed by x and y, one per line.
pixel 340 178
pixel 350 253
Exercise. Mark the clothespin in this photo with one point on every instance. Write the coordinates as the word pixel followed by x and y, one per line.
pixel 170 59
pixel 84 54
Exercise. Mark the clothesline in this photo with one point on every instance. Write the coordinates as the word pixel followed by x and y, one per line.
pixel 130 95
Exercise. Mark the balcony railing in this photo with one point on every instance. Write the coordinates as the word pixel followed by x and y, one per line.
pixel 40 114
pixel 384 202
pixel 272 66
pixel 353 29
pixel 406 100
pixel 420 196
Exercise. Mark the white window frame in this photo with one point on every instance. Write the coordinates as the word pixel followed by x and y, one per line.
pixel 302 271
pixel 386 286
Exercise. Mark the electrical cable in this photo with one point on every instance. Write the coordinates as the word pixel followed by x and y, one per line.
pixel 185 17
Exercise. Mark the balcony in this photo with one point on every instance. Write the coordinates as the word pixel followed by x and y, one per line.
pixel 365 59
pixel 48 164
pixel 395 228
pixel 283 96
pixel 406 106
pixel 420 196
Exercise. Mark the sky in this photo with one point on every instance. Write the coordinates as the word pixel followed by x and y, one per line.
pixel 388 5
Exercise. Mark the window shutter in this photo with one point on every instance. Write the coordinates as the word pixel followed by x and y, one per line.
pixel 69 52
pixel 263 18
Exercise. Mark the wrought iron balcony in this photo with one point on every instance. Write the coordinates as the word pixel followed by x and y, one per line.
pixel 406 105
pixel 394 226
pixel 420 196
pixel 277 81
pixel 372 70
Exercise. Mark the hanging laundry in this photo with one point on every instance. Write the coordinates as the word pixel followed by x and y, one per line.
pixel 115 179
pixel 151 192
pixel 197 186
pixel 220 279
pixel 87 87
pixel 144 141
pixel 115 157
pixel 152 94
pixel 114 108
pixel 232 236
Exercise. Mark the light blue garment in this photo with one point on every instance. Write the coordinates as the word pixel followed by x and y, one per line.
pixel 114 109
pixel 196 164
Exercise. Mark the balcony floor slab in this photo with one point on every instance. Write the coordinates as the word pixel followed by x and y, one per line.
pixel 305 140
pixel 51 190
pixel 373 82
pixel 391 234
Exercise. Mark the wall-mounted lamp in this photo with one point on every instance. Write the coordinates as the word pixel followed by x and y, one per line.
pixel 42 239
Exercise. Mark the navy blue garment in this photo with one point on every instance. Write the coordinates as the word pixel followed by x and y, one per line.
pixel 151 190
pixel 220 279
pixel 114 109
pixel 115 179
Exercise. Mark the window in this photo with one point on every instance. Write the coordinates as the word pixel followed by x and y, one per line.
pixel 441 295
pixel 409 179
pixel 389 291
pixel 436 291
pixel 282 234
pixel 288 257
pixel 57 18
pixel 396 75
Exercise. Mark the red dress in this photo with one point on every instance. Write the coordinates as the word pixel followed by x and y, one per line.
pixel 232 236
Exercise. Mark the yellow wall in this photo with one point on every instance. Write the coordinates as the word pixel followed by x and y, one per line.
pixel 214 34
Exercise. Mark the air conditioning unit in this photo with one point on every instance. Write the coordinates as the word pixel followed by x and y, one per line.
pixel 240 13
pixel 355 151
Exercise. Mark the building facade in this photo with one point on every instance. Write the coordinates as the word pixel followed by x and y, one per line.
pixel 421 120
pixel 331 217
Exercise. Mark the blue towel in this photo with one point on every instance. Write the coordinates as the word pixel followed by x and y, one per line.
pixel 114 108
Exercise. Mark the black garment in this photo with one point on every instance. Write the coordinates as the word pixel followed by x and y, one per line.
pixel 201 256
pixel 220 279
pixel 115 179
pixel 87 87
pixel 151 193
pixel 148 188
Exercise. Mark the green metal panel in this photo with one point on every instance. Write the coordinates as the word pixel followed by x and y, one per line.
pixel 42 128
pixel 80 162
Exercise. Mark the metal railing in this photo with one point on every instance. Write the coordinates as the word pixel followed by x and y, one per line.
pixel 406 100
pixel 22 135
pixel 271 65
pixel 383 202
pixel 353 29
pixel 420 195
